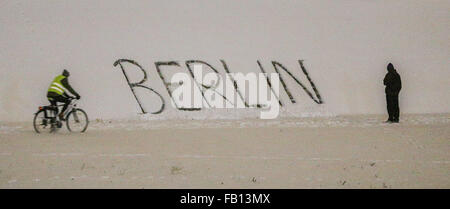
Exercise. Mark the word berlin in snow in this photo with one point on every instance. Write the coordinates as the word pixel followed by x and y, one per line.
pixel 232 79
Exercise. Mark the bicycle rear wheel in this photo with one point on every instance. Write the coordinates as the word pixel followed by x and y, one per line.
pixel 77 121
pixel 42 124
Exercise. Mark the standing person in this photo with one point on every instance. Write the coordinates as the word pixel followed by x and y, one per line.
pixel 393 85
pixel 56 92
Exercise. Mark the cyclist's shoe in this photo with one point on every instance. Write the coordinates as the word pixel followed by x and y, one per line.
pixel 61 117
pixel 59 124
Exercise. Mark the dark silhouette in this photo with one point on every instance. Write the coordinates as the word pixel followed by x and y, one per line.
pixel 393 85
pixel 56 92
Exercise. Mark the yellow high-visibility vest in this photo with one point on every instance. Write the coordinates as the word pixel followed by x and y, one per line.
pixel 56 86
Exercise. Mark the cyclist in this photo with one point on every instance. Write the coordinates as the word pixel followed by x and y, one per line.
pixel 57 92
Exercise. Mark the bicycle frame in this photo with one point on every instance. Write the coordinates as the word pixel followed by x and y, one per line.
pixel 72 105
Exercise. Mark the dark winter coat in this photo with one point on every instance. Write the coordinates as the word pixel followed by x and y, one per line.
pixel 392 81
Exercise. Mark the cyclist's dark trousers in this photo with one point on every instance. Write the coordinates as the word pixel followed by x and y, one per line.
pixel 54 99
pixel 392 107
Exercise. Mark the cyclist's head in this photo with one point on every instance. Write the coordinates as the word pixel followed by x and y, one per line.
pixel 66 73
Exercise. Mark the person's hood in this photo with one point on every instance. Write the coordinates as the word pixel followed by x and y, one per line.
pixel 390 68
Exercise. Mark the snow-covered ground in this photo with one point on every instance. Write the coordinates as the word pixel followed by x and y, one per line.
pixel 145 122
pixel 314 152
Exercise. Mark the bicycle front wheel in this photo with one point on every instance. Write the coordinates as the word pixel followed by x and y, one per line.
pixel 77 121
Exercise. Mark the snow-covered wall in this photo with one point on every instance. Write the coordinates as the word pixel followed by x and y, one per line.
pixel 345 46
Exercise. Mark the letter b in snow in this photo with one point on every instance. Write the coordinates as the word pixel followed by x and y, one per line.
pixel 139 84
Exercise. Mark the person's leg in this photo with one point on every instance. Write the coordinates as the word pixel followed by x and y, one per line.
pixel 53 101
pixel 396 108
pixel 389 107
pixel 66 102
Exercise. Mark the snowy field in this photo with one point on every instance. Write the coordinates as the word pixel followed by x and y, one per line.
pixel 314 152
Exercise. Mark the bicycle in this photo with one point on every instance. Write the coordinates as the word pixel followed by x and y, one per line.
pixel 47 120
